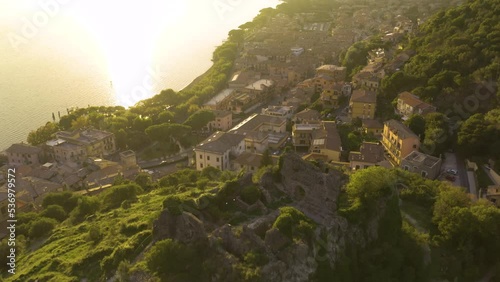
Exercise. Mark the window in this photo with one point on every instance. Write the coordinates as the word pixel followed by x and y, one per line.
pixel 208 158
pixel 414 146
pixel 201 165
pixel 201 157
pixel 424 173
pixel 406 167
pixel 217 159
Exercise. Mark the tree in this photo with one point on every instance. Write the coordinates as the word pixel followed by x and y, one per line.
pixel 56 212
pixel 417 124
pixel 42 226
pixel 473 135
pixel 175 261
pixel 266 159
pixel 200 119
pixel 437 138
pixel 367 185
pixel 447 200
pixel 116 195
pixel 144 180
pixel 80 122
pixel 42 134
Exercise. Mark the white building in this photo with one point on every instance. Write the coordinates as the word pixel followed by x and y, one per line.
pixel 218 150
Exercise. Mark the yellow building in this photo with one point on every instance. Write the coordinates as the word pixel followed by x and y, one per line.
pixel 399 141
pixel 223 121
pixel 330 96
pixel 372 126
pixel 363 104
pixel 76 146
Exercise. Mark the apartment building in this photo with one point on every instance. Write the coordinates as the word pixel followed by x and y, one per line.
pixel 218 150
pixel 363 104
pixel 399 141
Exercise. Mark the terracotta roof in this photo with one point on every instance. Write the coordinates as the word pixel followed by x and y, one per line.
pixel 409 99
pixel 363 96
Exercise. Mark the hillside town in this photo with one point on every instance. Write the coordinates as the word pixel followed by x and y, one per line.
pixel 323 143
pixel 287 90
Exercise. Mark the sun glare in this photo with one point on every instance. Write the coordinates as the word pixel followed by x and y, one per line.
pixel 127 33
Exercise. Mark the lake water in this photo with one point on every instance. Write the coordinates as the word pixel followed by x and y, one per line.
pixel 56 54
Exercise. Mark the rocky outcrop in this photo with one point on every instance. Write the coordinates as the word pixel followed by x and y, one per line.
pixel 313 191
pixel 184 228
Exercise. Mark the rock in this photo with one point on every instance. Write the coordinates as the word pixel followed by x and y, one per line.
pixel 185 228
pixel 313 191
pixel 276 241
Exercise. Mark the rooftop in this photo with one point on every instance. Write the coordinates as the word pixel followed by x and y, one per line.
pixel 220 114
pixel 219 97
pixel 363 96
pixel 400 129
pixel 409 99
pixel 128 153
pixel 84 135
pixel 372 123
pixel 330 68
pixel 22 148
pixel 256 120
pixel 260 84
pixel 422 159
pixel 368 152
pixel 220 142
pixel 308 114
pixel 307 126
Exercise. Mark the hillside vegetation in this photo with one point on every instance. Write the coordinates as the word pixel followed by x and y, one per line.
pixel 387 225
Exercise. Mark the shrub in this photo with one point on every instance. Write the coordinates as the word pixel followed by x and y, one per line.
pixel 169 180
pixel 115 196
pixel 65 199
pixel 56 212
pixel 94 233
pixel 250 194
pixel 128 250
pixel 177 261
pixel 293 223
pixel 41 227
pixel 86 206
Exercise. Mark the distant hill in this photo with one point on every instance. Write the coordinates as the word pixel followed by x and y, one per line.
pixel 456 50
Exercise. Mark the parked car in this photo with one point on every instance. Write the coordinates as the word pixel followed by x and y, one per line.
pixel 450 177
pixel 452 171
pixel 487 167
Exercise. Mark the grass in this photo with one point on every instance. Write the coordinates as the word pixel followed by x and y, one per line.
pixel 69 255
